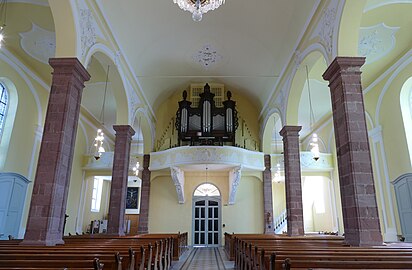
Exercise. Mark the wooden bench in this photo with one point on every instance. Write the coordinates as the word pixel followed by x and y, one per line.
pixel 264 252
pixel 79 252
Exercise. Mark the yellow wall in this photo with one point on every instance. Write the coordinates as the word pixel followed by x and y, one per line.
pixel 167 215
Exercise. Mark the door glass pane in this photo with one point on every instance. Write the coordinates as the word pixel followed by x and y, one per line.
pixel 196 238
pixel 200 203
pixel 196 212
pixel 216 213
pixel 209 238
pixel 216 238
pixel 196 225
pixel 202 239
pixel 216 228
pixel 213 203
pixel 210 212
pixel 202 213
pixel 210 228
pixel 202 225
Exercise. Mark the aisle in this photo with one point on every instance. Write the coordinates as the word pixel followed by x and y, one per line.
pixel 205 259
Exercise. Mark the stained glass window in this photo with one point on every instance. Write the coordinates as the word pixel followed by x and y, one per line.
pixel 3 106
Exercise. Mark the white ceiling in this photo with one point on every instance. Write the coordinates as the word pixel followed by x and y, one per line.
pixel 253 41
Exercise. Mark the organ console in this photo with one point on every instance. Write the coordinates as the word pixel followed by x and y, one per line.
pixel 207 124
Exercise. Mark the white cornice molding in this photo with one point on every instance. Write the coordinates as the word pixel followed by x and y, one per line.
pixel 388 71
pixel 43 3
pixel 370 7
pixel 22 66
pixel 24 72
pixel 398 70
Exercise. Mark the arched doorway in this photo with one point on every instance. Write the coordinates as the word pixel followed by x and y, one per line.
pixel 206 216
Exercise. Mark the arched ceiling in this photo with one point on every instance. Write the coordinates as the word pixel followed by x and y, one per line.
pixel 250 41
pixel 249 44
pixel 29 35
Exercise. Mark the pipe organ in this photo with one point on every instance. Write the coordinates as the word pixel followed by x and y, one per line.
pixel 206 124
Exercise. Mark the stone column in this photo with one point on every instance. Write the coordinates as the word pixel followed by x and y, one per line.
pixel 51 185
pixel 360 211
pixel 267 196
pixel 120 172
pixel 293 180
pixel 144 201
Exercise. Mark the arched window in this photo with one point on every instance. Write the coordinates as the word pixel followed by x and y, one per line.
pixel 406 107
pixel 3 106
pixel 207 189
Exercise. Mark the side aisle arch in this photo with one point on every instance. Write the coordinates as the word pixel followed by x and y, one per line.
pixel 66 23
pixel 142 122
pixel 350 20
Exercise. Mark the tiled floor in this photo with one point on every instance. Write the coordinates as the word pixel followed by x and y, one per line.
pixel 203 258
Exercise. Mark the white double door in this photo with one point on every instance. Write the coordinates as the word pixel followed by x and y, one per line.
pixel 206 221
pixel 13 189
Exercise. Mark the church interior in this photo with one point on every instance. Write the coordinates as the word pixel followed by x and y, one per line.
pixel 235 134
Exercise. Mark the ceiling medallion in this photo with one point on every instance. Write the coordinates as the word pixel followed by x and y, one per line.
pixel 207 56
pixel 198 7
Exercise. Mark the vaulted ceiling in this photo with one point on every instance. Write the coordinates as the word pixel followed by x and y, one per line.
pixel 251 42
pixel 243 44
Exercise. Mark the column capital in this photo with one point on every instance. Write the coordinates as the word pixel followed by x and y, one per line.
pixel 290 131
pixel 146 161
pixel 69 66
pixel 124 130
pixel 267 161
pixel 343 65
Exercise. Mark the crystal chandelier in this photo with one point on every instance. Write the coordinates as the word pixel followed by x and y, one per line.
pixel 314 141
pixel 98 144
pixel 136 167
pixel 198 7
pixel 99 140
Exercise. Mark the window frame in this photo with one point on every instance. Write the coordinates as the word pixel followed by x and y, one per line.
pixel 3 114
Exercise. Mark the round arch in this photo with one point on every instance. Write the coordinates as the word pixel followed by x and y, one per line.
pixel 141 122
pixel 406 110
pixel 351 19
pixel 269 127
pixel 119 90
pixel 298 82
pixel 66 24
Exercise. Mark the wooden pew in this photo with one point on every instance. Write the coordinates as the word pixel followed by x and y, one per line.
pixel 274 252
pixel 79 252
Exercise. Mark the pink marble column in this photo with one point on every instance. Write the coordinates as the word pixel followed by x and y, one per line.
pixel 293 182
pixel 360 211
pixel 120 172
pixel 51 185
pixel 267 196
pixel 145 196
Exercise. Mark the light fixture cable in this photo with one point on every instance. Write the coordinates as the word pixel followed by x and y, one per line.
pixel 99 140
pixel 137 166
pixel 314 141
pixel 277 176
